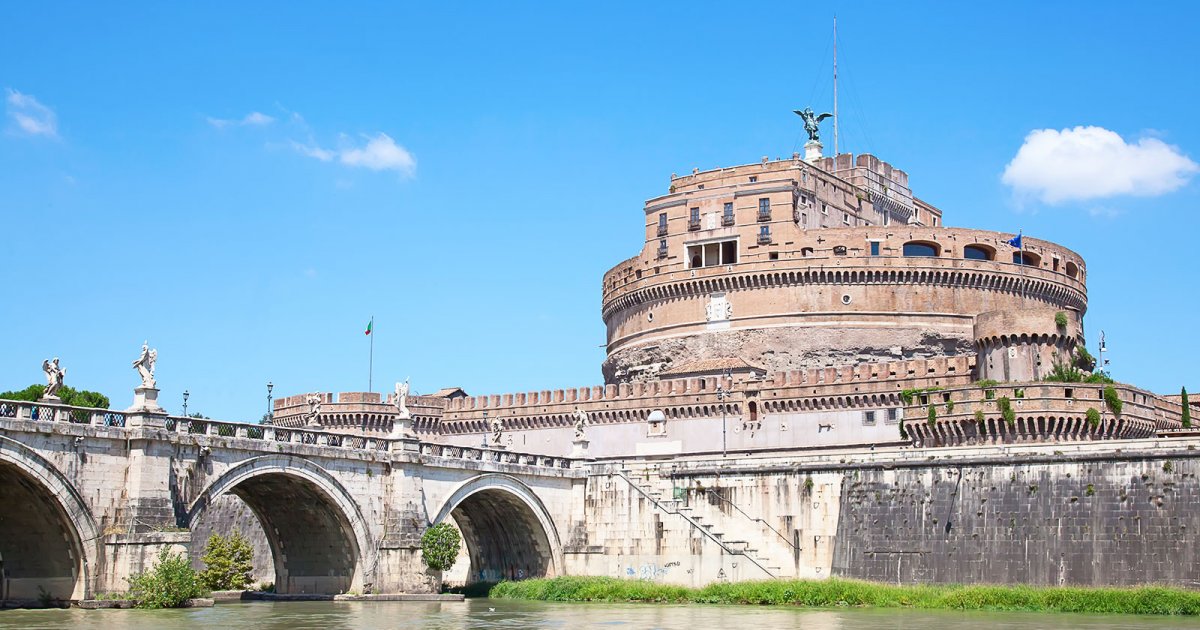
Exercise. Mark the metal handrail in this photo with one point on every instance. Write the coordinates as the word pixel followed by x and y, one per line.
pixel 753 518
pixel 691 521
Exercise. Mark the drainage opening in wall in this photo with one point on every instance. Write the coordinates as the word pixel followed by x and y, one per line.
pixel 845 299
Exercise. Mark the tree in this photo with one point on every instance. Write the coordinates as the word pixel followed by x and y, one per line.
pixel 1187 408
pixel 227 563
pixel 439 546
pixel 169 584
pixel 69 396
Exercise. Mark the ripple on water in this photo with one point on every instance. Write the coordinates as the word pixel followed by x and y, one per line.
pixel 485 613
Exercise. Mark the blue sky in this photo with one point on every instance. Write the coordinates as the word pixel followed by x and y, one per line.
pixel 244 186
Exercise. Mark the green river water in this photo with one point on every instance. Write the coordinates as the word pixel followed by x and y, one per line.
pixel 490 613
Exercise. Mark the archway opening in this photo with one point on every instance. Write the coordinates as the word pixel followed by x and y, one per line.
pixel 313 547
pixel 503 536
pixel 39 548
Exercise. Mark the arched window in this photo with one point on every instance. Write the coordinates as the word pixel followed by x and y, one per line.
pixel 921 248
pixel 979 252
pixel 806 251
pixel 1072 270
pixel 1026 258
pixel 752 407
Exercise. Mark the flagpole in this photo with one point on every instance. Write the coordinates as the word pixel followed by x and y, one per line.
pixel 371 366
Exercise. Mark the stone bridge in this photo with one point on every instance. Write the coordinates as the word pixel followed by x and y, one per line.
pixel 89 496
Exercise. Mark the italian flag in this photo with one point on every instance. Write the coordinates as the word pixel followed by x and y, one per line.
pixel 370 325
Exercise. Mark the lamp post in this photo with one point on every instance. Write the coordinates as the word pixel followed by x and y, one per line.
pixel 270 412
pixel 722 394
pixel 185 397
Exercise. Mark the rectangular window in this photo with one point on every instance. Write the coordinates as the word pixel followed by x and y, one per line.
pixel 662 248
pixel 694 219
pixel 662 224
pixel 845 218
pixel 824 208
pixel 874 248
pixel 753 178
pixel 727 216
pixel 764 234
pixel 764 209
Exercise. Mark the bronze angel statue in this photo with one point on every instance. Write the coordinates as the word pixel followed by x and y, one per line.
pixel 811 122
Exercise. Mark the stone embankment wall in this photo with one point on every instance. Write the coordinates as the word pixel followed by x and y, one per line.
pixel 1075 514
pixel 1115 520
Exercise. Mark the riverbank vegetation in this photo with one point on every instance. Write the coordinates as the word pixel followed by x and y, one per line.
pixel 832 593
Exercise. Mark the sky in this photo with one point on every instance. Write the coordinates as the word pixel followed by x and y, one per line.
pixel 244 185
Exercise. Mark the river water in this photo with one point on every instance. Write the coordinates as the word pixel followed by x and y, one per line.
pixel 491 613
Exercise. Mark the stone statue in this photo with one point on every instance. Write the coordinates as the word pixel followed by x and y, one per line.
pixel 497 427
pixel 811 122
pixel 581 422
pixel 145 365
pixel 54 377
pixel 401 399
pixel 314 409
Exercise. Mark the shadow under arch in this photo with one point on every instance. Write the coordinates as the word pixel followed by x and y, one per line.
pixel 507 530
pixel 318 537
pixel 52 544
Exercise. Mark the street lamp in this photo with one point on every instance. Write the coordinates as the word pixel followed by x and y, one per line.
pixel 722 394
pixel 185 397
pixel 270 412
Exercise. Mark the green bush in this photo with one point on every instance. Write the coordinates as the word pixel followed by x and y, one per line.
pixel 69 396
pixel 932 415
pixel 1099 376
pixel 979 417
pixel 949 406
pixel 1187 408
pixel 1093 417
pixel 986 383
pixel 1006 410
pixel 227 563
pixel 169 584
pixel 1084 359
pixel 440 545
pixel 907 395
pixel 1113 400
pixel 1060 319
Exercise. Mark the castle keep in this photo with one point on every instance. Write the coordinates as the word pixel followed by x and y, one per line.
pixel 805 304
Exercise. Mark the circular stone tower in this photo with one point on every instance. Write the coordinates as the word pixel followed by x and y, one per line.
pixel 786 265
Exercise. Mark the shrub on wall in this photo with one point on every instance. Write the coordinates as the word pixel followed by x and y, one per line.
pixel 169 584
pixel 227 563
pixel 1112 400
pixel 980 419
pixel 1006 410
pixel 1060 319
pixel 949 406
pixel 440 545
pixel 932 415
pixel 1093 417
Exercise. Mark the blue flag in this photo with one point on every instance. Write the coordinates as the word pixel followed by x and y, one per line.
pixel 1015 241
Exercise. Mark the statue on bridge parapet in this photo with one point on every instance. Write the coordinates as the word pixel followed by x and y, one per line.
pixel 54 379
pixel 581 422
pixel 402 426
pixel 145 396
pixel 144 364
pixel 497 427
pixel 314 410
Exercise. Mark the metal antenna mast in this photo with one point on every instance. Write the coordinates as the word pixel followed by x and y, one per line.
pixel 835 107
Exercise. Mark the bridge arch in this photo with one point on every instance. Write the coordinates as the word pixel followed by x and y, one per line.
pixel 52 541
pixel 318 537
pixel 508 532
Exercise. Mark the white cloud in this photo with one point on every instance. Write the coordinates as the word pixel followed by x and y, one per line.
pixel 30 116
pixel 380 153
pixel 253 119
pixel 311 151
pixel 1094 163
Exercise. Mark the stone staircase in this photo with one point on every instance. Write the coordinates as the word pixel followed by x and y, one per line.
pixel 705 524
